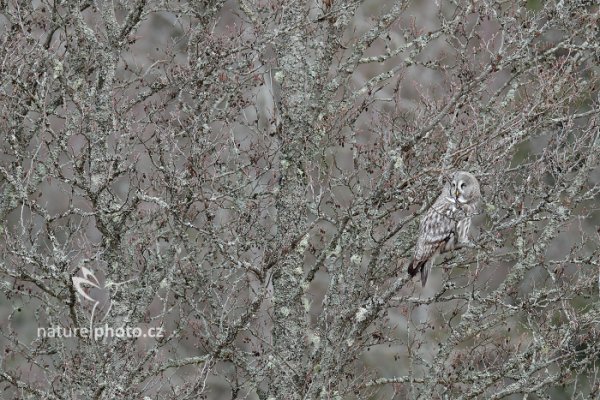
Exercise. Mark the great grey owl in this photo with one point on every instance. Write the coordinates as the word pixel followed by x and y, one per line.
pixel 446 224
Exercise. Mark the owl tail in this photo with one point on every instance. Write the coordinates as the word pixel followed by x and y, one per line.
pixel 416 266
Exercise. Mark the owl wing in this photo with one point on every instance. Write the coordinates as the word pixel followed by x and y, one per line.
pixel 437 228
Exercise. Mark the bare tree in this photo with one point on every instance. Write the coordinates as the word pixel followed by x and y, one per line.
pixel 245 178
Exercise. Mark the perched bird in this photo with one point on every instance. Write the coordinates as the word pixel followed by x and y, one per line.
pixel 445 226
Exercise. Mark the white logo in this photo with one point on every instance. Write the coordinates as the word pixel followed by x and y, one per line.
pixel 90 279
pixel 90 289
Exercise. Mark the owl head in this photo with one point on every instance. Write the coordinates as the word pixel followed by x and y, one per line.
pixel 464 188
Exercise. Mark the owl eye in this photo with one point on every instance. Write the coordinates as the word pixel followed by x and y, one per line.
pixel 462 185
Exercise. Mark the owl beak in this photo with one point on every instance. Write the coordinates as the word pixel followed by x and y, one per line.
pixel 456 194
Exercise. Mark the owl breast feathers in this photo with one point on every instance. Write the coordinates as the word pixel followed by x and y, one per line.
pixel 445 226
